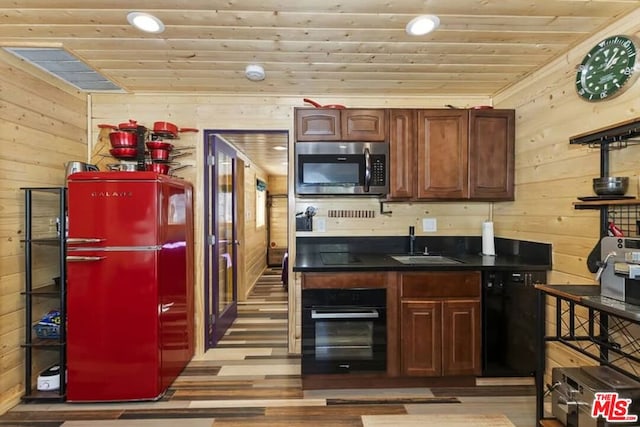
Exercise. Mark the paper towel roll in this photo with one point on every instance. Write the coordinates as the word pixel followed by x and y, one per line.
pixel 488 244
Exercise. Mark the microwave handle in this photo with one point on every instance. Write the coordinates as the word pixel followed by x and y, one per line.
pixel 367 170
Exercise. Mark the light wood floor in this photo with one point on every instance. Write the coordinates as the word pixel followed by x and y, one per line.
pixel 251 380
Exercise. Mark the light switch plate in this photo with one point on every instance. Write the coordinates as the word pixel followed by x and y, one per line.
pixel 321 225
pixel 429 224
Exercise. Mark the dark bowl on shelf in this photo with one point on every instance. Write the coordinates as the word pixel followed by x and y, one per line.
pixel 611 185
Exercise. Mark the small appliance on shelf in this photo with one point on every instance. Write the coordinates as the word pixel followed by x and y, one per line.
pixel 49 379
pixel 48 327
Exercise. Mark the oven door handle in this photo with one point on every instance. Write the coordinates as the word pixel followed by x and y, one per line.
pixel 362 314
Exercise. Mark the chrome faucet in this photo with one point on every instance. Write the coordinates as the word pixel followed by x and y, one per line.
pixel 412 239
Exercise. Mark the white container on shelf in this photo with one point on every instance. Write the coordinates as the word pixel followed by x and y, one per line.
pixel 49 379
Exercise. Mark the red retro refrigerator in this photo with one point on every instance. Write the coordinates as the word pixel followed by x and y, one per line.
pixel 129 284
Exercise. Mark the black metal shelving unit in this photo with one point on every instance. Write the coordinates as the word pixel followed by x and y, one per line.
pixel 602 334
pixel 55 291
pixel 614 137
pixel 592 336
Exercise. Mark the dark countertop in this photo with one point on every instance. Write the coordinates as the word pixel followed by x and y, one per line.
pixel 383 262
pixel 374 254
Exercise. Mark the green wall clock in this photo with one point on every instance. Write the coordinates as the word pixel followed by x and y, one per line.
pixel 608 69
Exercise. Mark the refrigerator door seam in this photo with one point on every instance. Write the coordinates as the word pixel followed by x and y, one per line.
pixel 116 248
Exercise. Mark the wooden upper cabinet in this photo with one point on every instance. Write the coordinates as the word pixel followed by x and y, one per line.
pixel 364 125
pixel 402 159
pixel 318 124
pixel 442 154
pixel 451 154
pixel 327 124
pixel 491 154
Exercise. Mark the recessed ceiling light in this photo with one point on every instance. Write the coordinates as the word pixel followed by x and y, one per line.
pixel 279 148
pixel 422 25
pixel 145 22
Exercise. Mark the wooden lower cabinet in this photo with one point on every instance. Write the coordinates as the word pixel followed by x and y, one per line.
pixel 421 338
pixel 440 325
pixel 461 339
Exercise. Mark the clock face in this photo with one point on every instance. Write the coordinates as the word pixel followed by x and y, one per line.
pixel 606 69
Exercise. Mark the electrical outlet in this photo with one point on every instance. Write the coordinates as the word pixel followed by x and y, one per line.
pixel 429 224
pixel 320 225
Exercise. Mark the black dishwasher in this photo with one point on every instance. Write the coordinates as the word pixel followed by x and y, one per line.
pixel 509 322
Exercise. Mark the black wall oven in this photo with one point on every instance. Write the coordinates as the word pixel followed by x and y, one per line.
pixel 344 330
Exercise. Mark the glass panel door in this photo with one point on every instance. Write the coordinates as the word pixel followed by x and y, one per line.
pixel 220 253
pixel 225 195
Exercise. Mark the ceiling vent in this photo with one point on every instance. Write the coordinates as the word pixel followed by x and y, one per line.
pixel 66 67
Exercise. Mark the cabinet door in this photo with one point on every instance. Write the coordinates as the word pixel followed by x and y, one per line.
pixel 442 154
pixel 461 337
pixel 401 154
pixel 364 125
pixel 491 154
pixel 317 124
pixel 421 338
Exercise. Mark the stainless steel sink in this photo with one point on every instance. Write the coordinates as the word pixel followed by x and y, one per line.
pixel 425 259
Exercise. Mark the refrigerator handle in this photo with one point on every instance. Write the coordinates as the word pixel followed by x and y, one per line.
pixel 165 307
pixel 76 258
pixel 79 240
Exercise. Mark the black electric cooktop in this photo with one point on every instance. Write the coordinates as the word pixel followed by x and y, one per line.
pixel 338 258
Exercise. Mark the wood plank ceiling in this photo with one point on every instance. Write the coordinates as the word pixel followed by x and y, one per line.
pixel 308 47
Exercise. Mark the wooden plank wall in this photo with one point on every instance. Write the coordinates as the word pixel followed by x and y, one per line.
pixel 277 185
pixel 43 125
pixel 279 213
pixel 551 174
pixel 255 244
pixel 452 219
pixel 278 217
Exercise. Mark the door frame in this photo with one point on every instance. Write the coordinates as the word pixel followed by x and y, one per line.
pixel 213 328
pixel 240 218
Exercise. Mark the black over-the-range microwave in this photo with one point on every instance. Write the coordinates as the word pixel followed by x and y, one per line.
pixel 342 168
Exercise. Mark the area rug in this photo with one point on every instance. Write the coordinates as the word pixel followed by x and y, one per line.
pixel 436 420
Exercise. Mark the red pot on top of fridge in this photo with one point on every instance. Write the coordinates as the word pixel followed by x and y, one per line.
pixel 123 139
pixel 169 129
pixel 159 154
